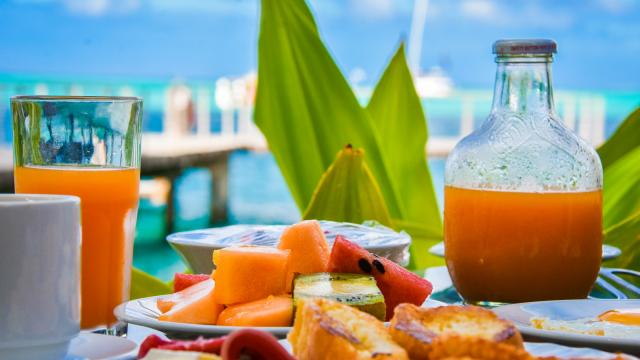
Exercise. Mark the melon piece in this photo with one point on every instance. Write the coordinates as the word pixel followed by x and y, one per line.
pixel 247 273
pixel 200 307
pixel 272 311
pixel 309 249
pixel 165 303
pixel 398 285
pixel 182 281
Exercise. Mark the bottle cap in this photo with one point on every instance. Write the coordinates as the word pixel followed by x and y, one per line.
pixel 524 47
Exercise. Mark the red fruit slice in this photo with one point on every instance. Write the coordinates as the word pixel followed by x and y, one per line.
pixel 255 345
pixel 211 346
pixel 397 284
pixel 151 342
pixel 183 281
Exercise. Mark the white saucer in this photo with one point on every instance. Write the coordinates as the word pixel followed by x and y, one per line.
pixel 96 346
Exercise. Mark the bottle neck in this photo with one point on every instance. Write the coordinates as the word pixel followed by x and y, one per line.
pixel 523 84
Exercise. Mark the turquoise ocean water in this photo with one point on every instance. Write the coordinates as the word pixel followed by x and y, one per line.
pixel 257 191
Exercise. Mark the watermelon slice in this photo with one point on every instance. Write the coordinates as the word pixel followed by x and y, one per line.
pixel 183 281
pixel 397 284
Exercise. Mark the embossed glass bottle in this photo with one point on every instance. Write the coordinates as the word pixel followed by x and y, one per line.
pixel 523 201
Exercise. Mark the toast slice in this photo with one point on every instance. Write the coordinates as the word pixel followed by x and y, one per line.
pixel 416 329
pixel 471 347
pixel 324 329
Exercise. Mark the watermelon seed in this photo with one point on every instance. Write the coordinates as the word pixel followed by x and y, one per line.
pixel 378 266
pixel 365 266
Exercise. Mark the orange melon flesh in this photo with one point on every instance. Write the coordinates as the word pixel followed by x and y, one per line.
pixel 309 249
pixel 272 311
pixel 200 307
pixel 165 303
pixel 247 273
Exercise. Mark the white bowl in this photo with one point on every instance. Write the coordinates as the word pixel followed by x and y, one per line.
pixel 196 247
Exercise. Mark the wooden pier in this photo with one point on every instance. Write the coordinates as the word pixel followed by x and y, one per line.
pixel 167 157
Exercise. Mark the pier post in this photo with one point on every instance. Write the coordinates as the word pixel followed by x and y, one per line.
pixel 219 190
pixel 170 211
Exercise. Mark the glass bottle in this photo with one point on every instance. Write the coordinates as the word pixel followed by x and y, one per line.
pixel 523 200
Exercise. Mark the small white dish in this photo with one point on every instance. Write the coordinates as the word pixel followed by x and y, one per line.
pixel 92 346
pixel 144 312
pixel 521 315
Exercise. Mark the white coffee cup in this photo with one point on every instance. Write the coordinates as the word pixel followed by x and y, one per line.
pixel 39 275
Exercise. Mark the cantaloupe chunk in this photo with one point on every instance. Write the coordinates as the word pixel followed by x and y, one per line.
pixel 247 273
pixel 309 249
pixel 200 307
pixel 272 311
pixel 165 303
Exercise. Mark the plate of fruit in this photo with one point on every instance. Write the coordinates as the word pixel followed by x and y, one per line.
pixel 261 286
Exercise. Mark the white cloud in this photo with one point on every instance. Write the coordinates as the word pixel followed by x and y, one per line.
pixel 615 6
pixel 374 9
pixel 509 14
pixel 101 7
pixel 479 9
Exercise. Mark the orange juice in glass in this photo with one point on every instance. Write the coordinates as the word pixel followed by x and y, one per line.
pixel 88 147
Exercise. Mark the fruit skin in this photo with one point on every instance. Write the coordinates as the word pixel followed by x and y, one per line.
pixel 165 303
pixel 253 344
pixel 247 273
pixel 272 311
pixel 398 285
pixel 183 281
pixel 309 249
pixel 200 307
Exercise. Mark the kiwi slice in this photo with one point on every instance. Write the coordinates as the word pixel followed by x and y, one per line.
pixel 359 291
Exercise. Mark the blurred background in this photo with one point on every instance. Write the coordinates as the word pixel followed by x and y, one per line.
pixel 194 63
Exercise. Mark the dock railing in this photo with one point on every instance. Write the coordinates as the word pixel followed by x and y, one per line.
pixel 187 139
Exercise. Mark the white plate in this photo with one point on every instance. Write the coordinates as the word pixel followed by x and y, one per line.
pixel 521 315
pixel 144 312
pixel 95 346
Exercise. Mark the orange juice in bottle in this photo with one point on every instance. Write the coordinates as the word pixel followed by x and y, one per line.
pixel 523 202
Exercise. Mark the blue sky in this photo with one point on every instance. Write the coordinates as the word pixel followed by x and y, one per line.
pixel 599 40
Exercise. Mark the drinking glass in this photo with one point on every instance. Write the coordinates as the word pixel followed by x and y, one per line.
pixel 88 147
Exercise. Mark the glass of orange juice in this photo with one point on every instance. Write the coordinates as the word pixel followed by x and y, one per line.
pixel 88 147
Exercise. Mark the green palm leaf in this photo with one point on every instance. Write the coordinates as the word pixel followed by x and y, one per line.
pixel 348 192
pixel 620 157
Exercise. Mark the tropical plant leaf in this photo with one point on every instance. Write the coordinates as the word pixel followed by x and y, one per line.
pixel 620 157
pixel 348 192
pixel 399 119
pixel 624 139
pixel 621 193
pixel 145 285
pixel 307 112
pixel 626 236
pixel 305 107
